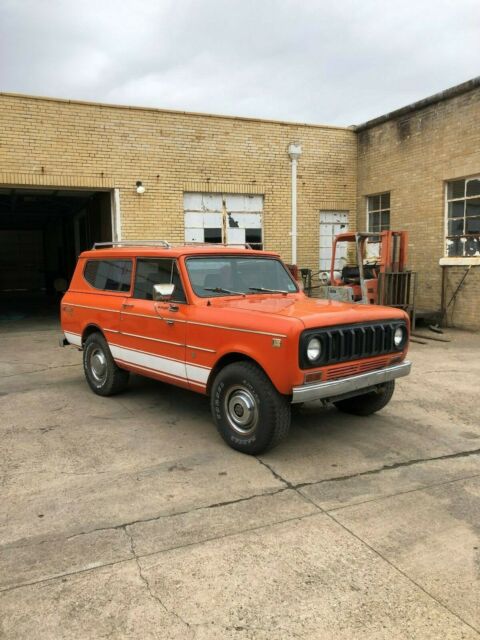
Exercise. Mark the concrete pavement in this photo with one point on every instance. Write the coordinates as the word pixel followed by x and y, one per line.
pixel 128 517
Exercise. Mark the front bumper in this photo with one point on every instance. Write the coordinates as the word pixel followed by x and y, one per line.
pixel 334 388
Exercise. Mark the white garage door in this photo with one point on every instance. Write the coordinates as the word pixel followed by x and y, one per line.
pixel 224 218
pixel 332 223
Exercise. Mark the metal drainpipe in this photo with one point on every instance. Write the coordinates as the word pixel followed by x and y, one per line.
pixel 294 151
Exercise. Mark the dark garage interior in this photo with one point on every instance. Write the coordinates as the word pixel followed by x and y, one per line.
pixel 42 231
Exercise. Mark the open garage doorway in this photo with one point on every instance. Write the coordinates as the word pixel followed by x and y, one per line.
pixel 42 232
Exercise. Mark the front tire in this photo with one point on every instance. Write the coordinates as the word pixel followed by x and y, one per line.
pixel 104 377
pixel 368 403
pixel 250 414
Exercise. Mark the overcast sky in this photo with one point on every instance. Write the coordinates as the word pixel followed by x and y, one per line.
pixel 333 62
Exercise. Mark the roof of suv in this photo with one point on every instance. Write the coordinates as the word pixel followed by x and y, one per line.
pixel 173 251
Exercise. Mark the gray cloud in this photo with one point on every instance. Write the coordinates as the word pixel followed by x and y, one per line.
pixel 313 61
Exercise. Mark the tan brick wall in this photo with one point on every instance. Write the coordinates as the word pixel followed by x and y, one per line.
pixel 61 143
pixel 464 309
pixel 412 156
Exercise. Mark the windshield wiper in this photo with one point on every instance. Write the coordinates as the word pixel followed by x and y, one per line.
pixel 263 290
pixel 222 290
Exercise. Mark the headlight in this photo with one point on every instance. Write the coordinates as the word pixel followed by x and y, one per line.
pixel 399 337
pixel 314 349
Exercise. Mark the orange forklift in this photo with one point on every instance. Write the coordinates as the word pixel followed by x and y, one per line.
pixel 374 270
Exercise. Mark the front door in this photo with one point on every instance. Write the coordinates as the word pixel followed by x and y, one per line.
pixel 152 334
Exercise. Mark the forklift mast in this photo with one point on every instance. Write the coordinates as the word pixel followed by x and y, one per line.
pixel 382 278
pixel 392 255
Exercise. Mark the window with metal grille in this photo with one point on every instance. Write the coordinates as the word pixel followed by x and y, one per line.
pixel 233 219
pixel 463 217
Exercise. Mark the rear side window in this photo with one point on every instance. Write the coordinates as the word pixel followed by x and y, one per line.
pixel 109 275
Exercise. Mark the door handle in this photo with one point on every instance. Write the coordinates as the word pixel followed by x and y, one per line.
pixel 127 305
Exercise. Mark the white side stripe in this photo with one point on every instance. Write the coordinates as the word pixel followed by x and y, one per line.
pixel 148 370
pixel 157 363
pixel 197 374
pixel 162 365
pixel 73 338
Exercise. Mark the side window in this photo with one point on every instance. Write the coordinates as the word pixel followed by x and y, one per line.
pixel 151 272
pixel 109 275
pixel 463 218
pixel 378 209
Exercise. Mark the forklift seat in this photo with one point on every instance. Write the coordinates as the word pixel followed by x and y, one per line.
pixel 351 274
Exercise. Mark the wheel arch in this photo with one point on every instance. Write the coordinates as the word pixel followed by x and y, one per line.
pixel 89 329
pixel 230 358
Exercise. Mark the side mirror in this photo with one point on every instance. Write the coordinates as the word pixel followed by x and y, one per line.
pixel 163 291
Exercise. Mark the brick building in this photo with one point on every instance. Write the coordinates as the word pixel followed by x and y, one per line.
pixel 425 159
pixel 73 172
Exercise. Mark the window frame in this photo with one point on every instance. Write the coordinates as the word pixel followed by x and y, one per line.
pixel 176 262
pixel 457 259
pixel 111 259
pixel 226 211
pixel 380 210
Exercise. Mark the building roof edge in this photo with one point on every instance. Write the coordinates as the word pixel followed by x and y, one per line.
pixel 447 94
pixel 197 114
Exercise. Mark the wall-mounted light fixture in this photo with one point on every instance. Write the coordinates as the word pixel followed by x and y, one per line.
pixel 140 187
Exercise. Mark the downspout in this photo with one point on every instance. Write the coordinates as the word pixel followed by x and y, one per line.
pixel 294 151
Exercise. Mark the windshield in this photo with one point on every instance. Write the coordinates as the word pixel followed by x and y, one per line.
pixel 222 276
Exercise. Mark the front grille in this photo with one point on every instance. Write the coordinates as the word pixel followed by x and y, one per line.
pixel 346 370
pixel 352 342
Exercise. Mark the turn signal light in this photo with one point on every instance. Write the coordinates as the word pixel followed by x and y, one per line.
pixel 313 377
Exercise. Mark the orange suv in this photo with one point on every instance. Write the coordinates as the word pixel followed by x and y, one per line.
pixel 230 323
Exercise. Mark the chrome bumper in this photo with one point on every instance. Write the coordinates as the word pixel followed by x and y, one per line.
pixel 334 388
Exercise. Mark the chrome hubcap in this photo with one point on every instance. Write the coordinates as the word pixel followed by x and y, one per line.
pixel 241 410
pixel 98 364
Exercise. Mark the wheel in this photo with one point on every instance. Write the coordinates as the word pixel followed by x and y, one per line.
pixel 250 414
pixel 103 376
pixel 368 403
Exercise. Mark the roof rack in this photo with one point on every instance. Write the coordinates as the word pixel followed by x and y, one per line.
pixel 166 245
pixel 133 243
pixel 245 245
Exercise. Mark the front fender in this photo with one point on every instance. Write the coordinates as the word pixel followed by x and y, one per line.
pixel 279 362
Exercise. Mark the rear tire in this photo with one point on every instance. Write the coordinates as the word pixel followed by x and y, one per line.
pixel 250 414
pixel 368 403
pixel 104 377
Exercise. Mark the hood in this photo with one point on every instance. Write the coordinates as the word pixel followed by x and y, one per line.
pixel 312 312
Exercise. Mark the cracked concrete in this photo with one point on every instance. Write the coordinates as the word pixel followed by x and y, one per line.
pixel 129 518
pixel 153 595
